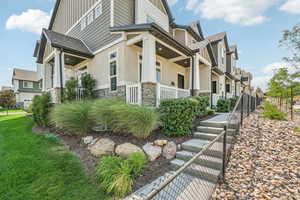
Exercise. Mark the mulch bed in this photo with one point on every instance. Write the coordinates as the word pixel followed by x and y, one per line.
pixel 153 170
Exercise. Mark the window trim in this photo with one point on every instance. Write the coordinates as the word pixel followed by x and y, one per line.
pixel 90 18
pixel 110 60
pixel 83 23
pixel 181 74
pixel 160 68
pixel 101 10
pixel 27 86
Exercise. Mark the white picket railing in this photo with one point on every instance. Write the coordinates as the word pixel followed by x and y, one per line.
pixel 215 98
pixel 134 93
pixel 167 92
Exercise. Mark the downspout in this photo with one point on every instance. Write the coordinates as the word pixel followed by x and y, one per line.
pixel 193 74
pixel 61 77
pixel 211 92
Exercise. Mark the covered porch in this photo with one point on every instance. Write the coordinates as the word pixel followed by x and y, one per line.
pixel 217 85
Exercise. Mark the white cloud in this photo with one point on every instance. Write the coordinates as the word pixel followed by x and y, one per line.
pixel 291 6
pixel 232 11
pixel 172 2
pixel 30 21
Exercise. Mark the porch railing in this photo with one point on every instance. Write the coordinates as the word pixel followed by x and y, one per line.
pixel 167 92
pixel 80 94
pixel 134 93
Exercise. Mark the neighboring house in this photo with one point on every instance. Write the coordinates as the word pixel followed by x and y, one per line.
pixel 230 79
pixel 5 88
pixel 133 48
pixel 26 85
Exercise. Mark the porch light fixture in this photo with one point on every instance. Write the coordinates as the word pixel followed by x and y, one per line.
pixel 159 49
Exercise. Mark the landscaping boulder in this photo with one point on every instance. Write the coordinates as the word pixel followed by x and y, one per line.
pixel 102 147
pixel 126 149
pixel 153 152
pixel 169 150
pixel 160 142
pixel 87 140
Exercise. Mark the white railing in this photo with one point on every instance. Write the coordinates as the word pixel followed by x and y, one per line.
pixel 134 93
pixel 167 92
pixel 215 98
pixel 80 94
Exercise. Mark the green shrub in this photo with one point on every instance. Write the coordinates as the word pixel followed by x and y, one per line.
pixel 117 175
pixel 233 102
pixel 88 84
pixel 202 106
pixel 223 105
pixel 177 115
pixel 74 117
pixel 41 107
pixel 71 89
pixel 124 118
pixel 272 112
pixel 210 112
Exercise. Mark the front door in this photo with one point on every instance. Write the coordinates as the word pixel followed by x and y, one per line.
pixel 180 81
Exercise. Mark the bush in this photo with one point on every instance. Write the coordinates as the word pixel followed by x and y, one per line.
pixel 117 175
pixel 177 115
pixel 210 112
pixel 272 112
pixel 136 120
pixel 74 117
pixel 71 89
pixel 88 84
pixel 202 106
pixel 233 102
pixel 223 105
pixel 41 107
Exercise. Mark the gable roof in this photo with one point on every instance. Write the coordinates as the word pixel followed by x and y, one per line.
pixel 25 75
pixel 233 49
pixel 166 5
pixel 205 44
pixel 194 29
pixel 218 37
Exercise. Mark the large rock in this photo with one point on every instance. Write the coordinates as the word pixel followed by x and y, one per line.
pixel 160 142
pixel 126 149
pixel 169 150
pixel 102 147
pixel 153 152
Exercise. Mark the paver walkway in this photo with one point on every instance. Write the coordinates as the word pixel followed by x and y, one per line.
pixel 265 161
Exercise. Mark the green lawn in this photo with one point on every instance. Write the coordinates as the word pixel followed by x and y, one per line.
pixel 10 111
pixel 33 167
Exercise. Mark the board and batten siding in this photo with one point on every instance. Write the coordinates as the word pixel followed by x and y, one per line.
pixel 69 12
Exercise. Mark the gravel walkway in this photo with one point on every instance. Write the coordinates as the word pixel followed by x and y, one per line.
pixel 265 162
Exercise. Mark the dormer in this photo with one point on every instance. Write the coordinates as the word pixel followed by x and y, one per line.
pixel 149 11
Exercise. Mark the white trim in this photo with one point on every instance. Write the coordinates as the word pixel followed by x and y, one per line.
pixel 84 15
pixel 182 74
pixel 112 7
pixel 117 70
pixel 109 45
pixel 170 47
pixel 173 60
pixel 160 68
pixel 166 14
pixel 49 57
pixel 139 62
pixel 134 40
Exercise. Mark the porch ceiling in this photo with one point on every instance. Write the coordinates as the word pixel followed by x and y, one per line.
pixel 70 60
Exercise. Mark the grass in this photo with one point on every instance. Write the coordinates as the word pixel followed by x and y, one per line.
pixel 34 167
pixel 297 129
pixel 10 111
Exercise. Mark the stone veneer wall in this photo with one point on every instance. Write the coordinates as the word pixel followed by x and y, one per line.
pixel 120 93
pixel 149 94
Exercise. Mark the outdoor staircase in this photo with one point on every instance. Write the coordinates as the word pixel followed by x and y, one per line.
pixel 205 172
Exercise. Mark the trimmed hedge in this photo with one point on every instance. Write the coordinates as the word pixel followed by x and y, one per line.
pixel 177 115
pixel 226 105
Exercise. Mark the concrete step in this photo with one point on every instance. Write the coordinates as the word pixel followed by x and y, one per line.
pixel 214 130
pixel 211 136
pixel 198 171
pixel 215 124
pixel 196 145
pixel 204 160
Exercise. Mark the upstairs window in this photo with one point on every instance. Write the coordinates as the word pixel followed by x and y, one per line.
pixel 98 10
pixel 27 84
pixel 113 71
pixel 83 23
pixel 228 88
pixel 158 72
pixel 90 18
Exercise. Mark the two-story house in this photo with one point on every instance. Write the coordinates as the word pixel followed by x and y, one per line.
pixel 26 85
pixel 231 80
pixel 133 48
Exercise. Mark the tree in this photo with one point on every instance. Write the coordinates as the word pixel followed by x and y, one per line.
pixel 7 99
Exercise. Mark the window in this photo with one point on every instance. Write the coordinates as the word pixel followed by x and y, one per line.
pixel 98 10
pixel 140 66
pixel 214 87
pixel 158 72
pixel 227 88
pixel 113 71
pixel 90 18
pixel 223 55
pixel 40 85
pixel 27 84
pixel 83 23
pixel 180 81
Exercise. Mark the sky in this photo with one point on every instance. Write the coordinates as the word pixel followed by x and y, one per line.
pixel 255 26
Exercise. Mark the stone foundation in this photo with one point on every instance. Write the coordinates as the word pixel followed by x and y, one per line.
pixel 120 93
pixel 149 94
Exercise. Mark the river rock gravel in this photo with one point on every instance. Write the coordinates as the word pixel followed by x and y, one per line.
pixel 265 161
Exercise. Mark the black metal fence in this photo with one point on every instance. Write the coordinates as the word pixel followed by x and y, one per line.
pixel 197 178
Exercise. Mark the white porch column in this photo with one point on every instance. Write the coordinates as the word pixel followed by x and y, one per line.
pixel 197 72
pixel 58 64
pixel 149 59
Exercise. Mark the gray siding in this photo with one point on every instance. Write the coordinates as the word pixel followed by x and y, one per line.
pixel 124 12
pixel 35 88
pixel 97 34
pixel 228 63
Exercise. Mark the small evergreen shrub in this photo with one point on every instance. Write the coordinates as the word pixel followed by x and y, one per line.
pixel 88 84
pixel 40 108
pixel 210 112
pixel 177 115
pixel 74 117
pixel 223 105
pixel 272 112
pixel 202 106
pixel 71 89
pixel 117 174
pixel 124 118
